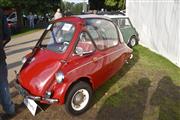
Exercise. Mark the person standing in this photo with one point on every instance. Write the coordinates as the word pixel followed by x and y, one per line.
pixel 5 98
pixel 24 18
pixel 31 20
pixel 58 14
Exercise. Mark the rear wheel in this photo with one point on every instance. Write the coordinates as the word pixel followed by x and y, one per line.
pixel 78 98
pixel 132 41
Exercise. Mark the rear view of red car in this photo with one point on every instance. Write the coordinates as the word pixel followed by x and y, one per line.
pixel 73 57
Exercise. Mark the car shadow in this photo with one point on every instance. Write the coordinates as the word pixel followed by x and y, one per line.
pixel 130 102
pixel 167 98
pixel 127 104
pixel 99 93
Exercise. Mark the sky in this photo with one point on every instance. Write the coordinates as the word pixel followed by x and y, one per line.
pixel 76 1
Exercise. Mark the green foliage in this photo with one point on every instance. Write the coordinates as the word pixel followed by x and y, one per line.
pixel 5 3
pixel 120 4
pixel 42 6
pixel 77 8
pixel 111 3
pixel 68 5
pixel 74 8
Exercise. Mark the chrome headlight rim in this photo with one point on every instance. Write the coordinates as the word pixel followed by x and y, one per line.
pixel 59 76
pixel 24 59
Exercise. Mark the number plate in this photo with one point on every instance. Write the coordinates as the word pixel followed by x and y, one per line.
pixel 31 105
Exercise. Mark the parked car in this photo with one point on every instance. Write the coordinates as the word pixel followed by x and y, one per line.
pixel 74 56
pixel 12 17
pixel 130 35
pixel 12 21
pixel 111 13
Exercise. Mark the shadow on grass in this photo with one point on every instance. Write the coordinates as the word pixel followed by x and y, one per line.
pixel 99 93
pixel 127 104
pixel 167 98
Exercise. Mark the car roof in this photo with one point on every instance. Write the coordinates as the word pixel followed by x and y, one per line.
pixel 79 18
pixel 116 16
pixel 92 16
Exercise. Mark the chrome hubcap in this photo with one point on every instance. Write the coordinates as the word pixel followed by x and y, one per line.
pixel 133 42
pixel 80 99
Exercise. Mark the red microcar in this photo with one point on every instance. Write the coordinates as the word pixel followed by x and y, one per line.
pixel 74 56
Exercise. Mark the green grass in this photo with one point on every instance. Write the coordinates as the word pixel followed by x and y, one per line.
pixel 134 91
pixel 157 63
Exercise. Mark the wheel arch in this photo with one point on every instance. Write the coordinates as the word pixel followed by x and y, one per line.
pixel 84 79
pixel 131 37
pixel 129 40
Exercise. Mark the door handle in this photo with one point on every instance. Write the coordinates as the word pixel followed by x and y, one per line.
pixel 95 59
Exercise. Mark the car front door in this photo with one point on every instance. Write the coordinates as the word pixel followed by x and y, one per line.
pixel 108 45
pixel 86 60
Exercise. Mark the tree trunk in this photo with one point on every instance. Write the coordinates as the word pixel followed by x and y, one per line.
pixel 19 19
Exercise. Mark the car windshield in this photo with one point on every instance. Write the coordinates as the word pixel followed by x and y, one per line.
pixel 58 37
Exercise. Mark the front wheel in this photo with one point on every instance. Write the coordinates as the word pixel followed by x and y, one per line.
pixel 78 98
pixel 132 42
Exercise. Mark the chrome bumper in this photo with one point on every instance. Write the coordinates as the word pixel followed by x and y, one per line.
pixel 25 94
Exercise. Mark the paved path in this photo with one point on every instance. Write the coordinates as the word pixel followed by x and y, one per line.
pixel 17 48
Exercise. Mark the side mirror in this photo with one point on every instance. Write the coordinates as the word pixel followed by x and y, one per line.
pixel 87 53
pixel 81 52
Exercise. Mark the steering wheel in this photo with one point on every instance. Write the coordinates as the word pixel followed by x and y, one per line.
pixel 65 43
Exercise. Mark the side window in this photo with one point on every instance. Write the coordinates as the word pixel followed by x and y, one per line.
pixel 105 32
pixel 124 22
pixel 93 31
pixel 85 44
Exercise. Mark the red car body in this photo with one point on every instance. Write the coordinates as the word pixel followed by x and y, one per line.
pixel 37 76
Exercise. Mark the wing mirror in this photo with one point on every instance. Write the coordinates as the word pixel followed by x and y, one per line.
pixel 81 52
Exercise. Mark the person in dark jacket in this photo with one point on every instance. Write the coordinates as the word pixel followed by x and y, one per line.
pixel 5 98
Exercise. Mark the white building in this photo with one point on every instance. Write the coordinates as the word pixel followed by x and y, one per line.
pixel 158 24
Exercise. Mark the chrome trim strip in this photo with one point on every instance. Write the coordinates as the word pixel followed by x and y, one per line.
pixel 92 61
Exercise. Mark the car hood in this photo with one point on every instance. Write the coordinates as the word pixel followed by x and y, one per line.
pixel 37 75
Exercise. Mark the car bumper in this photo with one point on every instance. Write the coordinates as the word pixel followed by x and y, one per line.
pixel 25 94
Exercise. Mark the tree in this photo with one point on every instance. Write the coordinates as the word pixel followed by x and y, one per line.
pixel 107 4
pixel 77 8
pixel 111 3
pixel 74 8
pixel 118 4
pixel 40 6
pixel 97 4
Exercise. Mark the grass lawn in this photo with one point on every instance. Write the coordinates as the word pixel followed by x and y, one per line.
pixel 148 88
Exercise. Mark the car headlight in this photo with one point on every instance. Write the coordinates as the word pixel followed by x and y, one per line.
pixel 59 77
pixel 24 59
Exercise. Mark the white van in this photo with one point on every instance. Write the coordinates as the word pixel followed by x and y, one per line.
pixel 12 18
